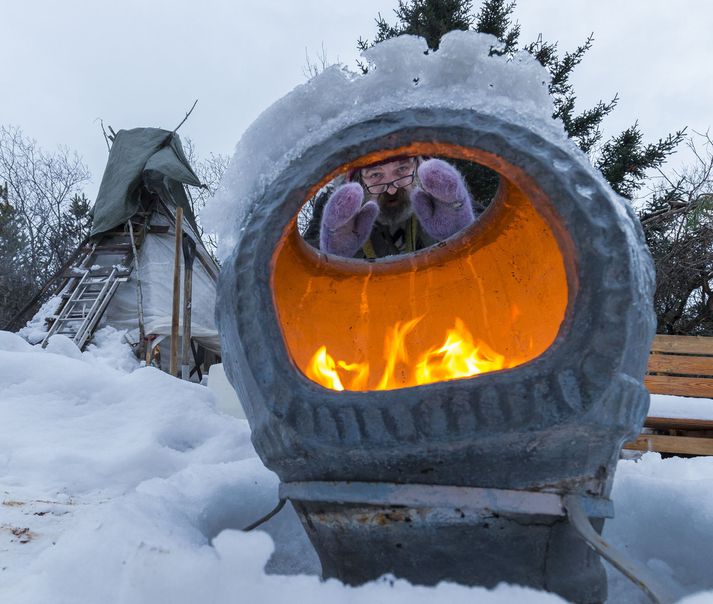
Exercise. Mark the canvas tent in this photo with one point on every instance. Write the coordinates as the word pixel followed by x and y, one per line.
pixel 135 210
pixel 142 158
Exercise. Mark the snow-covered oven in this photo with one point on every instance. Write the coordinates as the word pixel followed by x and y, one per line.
pixel 397 459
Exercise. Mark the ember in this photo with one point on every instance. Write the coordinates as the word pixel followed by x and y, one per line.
pixel 460 356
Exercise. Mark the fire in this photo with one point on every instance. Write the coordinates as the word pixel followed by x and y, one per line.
pixel 459 356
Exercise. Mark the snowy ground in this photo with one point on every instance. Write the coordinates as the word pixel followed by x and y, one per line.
pixel 122 484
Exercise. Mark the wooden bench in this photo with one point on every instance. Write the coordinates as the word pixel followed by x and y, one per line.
pixel 680 366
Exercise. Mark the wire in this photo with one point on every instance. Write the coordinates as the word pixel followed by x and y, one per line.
pixel 266 517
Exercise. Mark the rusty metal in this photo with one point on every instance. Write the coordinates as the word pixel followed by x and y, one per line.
pixel 508 501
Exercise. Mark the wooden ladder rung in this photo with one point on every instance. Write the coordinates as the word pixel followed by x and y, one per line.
pixel 111 248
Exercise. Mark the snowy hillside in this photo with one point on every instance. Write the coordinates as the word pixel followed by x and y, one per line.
pixel 122 484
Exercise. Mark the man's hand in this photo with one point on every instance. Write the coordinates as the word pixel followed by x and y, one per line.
pixel 442 204
pixel 346 224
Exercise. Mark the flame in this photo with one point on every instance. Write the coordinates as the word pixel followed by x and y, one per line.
pixel 323 370
pixel 459 356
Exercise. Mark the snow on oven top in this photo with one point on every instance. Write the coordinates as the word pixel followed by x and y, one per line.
pixel 461 74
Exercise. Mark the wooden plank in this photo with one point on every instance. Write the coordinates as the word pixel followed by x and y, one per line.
pixel 680 386
pixel 159 228
pixel 676 363
pixel 683 344
pixel 678 423
pixel 672 444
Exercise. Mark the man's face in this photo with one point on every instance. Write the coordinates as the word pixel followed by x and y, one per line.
pixel 387 178
pixel 391 184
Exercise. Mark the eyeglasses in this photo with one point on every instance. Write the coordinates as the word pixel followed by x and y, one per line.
pixel 404 181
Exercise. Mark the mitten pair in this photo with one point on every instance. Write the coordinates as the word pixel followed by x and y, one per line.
pixel 442 204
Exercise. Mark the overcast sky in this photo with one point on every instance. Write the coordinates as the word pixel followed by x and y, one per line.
pixel 64 65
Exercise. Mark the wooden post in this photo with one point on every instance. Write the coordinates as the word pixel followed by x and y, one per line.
pixel 139 291
pixel 176 291
pixel 189 253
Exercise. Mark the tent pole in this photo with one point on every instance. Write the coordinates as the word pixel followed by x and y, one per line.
pixel 139 294
pixel 189 253
pixel 176 291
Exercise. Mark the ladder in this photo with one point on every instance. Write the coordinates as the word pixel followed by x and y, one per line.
pixel 84 307
pixel 90 286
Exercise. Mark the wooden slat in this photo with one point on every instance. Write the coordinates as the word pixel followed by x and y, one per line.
pixel 159 228
pixel 679 386
pixel 111 248
pixel 672 444
pixel 679 423
pixel 669 356
pixel 675 363
pixel 683 344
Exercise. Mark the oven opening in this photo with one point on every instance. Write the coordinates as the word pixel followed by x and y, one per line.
pixel 488 297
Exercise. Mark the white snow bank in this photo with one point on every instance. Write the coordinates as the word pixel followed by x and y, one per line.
pixel 664 518
pixel 665 405
pixel 136 425
pixel 36 328
pixel 128 486
pixel 459 75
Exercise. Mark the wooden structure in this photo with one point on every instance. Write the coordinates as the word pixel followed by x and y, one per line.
pixel 90 282
pixel 120 275
pixel 679 366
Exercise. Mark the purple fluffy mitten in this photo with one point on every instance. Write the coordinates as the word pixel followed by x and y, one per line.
pixel 442 204
pixel 346 224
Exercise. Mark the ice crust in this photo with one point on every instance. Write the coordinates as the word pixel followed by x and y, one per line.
pixel 461 74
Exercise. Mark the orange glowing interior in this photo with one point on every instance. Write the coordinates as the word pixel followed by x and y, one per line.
pixel 490 298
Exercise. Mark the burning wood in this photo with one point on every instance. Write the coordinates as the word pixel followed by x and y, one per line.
pixel 460 356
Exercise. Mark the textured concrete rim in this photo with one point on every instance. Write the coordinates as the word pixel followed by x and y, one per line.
pixel 591 374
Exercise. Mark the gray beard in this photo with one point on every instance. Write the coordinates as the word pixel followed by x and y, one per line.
pixel 392 214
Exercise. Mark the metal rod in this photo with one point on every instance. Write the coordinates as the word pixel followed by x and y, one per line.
pixel 266 517
pixel 633 570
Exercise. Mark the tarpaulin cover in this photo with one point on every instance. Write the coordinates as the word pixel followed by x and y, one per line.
pixel 155 263
pixel 149 156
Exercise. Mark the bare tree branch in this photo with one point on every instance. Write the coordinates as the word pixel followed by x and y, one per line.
pixel 186 116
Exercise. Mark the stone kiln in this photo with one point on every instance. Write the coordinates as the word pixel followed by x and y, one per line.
pixel 457 479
